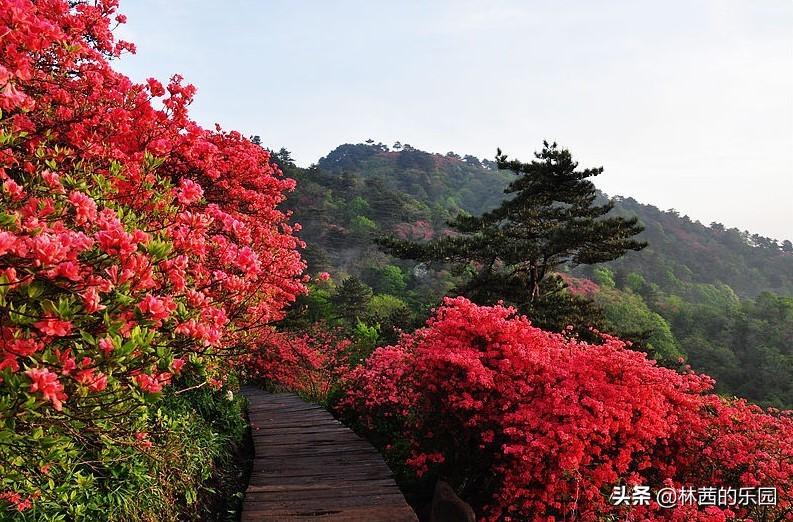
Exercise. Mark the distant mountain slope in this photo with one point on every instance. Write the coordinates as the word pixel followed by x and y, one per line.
pixel 685 251
pixel 407 190
pixel 448 180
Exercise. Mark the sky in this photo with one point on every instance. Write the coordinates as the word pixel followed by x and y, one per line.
pixel 687 104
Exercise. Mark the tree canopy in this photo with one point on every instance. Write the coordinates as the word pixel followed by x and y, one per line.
pixel 549 219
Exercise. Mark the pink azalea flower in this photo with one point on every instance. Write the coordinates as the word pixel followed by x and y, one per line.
pixel 46 382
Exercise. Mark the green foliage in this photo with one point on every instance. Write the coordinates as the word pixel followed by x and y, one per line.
pixel 358 206
pixel 351 299
pixel 682 251
pixel 743 343
pixel 747 348
pixel 313 307
pixel 604 277
pixel 627 315
pixel 364 341
pixel 158 476
pixel 423 176
pixel 392 315
pixel 635 282
pixel 388 279
pixel 362 226
pixel 548 220
pixel 383 306
pixel 718 296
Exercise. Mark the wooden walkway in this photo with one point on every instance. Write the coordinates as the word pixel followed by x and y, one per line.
pixel 308 466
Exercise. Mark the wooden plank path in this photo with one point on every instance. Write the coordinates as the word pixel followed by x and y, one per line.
pixel 309 466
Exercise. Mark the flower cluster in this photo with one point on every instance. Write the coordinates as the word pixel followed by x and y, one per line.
pixel 310 363
pixel 532 425
pixel 579 286
pixel 418 230
pixel 132 241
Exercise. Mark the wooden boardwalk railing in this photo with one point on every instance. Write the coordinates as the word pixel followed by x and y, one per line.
pixel 308 466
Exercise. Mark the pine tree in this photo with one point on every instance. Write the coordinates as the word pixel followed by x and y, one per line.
pixel 351 299
pixel 549 220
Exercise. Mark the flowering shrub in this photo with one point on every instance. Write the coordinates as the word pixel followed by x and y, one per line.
pixel 420 229
pixel 310 363
pixel 135 246
pixel 531 425
pixel 579 286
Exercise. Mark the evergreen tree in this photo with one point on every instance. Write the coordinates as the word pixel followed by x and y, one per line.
pixel 352 299
pixel 472 160
pixel 549 220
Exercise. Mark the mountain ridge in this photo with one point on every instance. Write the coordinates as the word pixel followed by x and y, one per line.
pixel 692 251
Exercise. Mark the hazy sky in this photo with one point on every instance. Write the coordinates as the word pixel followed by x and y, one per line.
pixel 687 104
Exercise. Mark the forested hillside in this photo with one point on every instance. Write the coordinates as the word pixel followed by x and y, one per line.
pixel 454 182
pixel 719 297
pixel 683 251
pixel 433 187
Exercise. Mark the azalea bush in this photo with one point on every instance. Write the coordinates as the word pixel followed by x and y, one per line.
pixel 136 249
pixel 311 363
pixel 531 425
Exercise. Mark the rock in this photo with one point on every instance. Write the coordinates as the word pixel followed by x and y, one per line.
pixel 448 507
